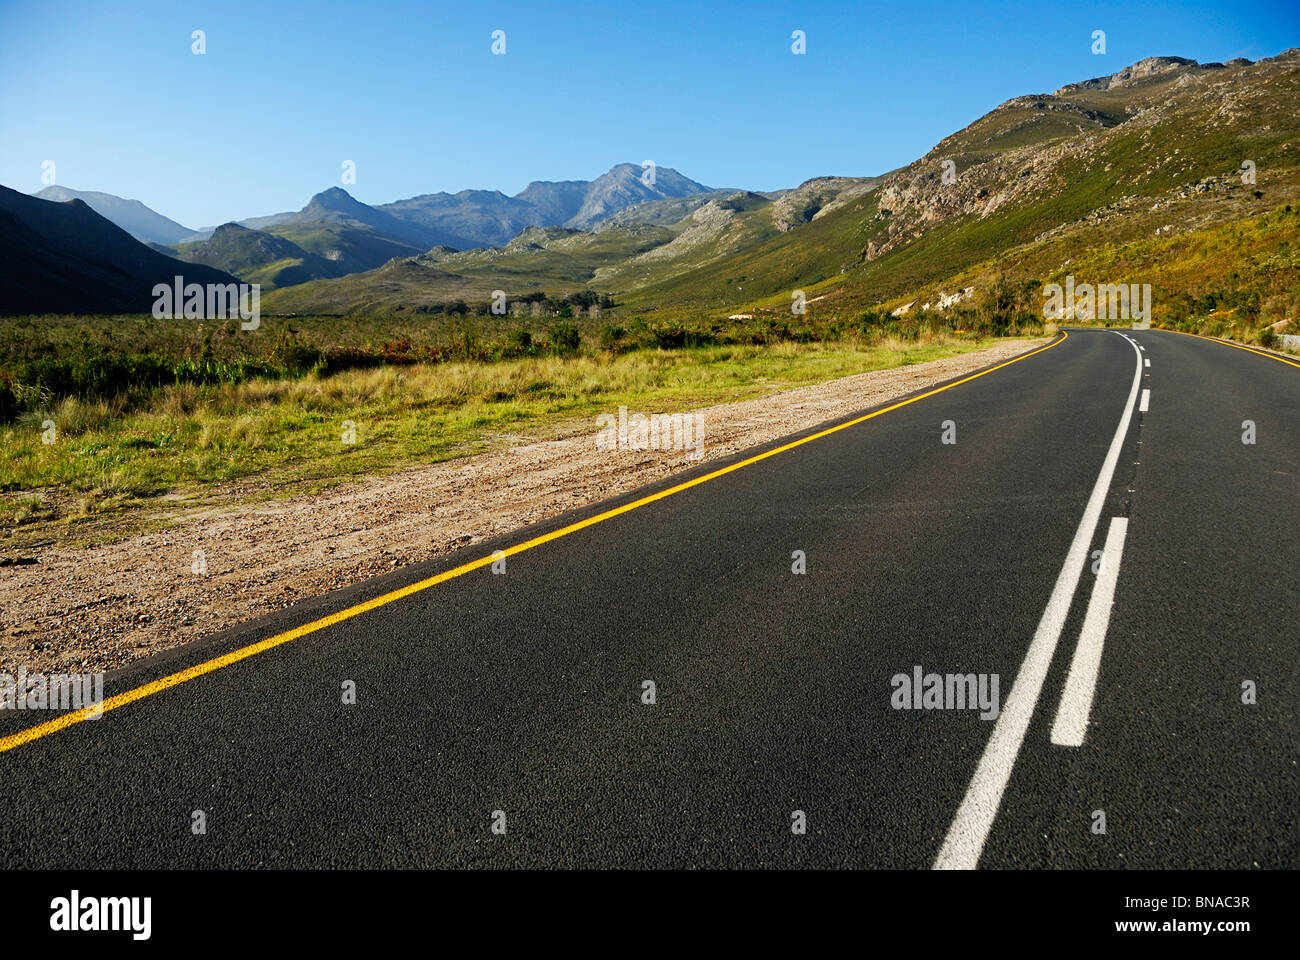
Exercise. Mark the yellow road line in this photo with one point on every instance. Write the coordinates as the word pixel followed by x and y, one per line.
pixel 208 666
pixel 1229 343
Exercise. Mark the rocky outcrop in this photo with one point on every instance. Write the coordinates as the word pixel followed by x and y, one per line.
pixel 975 173
pixel 817 197
pixel 1142 70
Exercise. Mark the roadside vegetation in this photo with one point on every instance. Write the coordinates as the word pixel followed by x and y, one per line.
pixel 125 361
pixel 1238 279
pixel 153 426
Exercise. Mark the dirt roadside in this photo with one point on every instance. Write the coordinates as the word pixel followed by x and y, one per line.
pixel 101 607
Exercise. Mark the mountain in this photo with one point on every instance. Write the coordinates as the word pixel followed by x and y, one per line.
pixel 471 218
pixel 353 237
pixel 334 234
pixel 258 257
pixel 337 206
pixel 726 226
pixel 489 218
pixel 640 244
pixel 651 241
pixel 1135 177
pixel 1111 170
pixel 63 257
pixel 132 216
pixel 623 186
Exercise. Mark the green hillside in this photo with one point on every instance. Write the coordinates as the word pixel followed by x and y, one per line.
pixel 1042 186
pixel 1038 181
pixel 257 256
pixel 352 248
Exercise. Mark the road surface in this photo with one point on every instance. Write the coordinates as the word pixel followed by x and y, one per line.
pixel 1098 536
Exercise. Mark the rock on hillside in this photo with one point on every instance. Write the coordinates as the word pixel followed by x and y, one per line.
pixel 1032 148
pixel 816 197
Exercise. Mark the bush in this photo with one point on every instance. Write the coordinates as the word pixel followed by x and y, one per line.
pixel 669 336
pixel 1267 337
pixel 610 336
pixel 292 353
pixel 701 338
pixel 564 336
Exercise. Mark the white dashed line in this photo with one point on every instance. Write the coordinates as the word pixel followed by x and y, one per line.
pixel 1076 702
pixel 1146 401
pixel 979 808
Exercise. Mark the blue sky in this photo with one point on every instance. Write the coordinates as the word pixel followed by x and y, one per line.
pixel 411 92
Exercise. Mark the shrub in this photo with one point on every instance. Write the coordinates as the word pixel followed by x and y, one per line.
pixel 292 353
pixel 564 336
pixel 669 336
pixel 700 338
pixel 610 336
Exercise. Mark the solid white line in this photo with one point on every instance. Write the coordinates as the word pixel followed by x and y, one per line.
pixel 1148 362
pixel 970 827
pixel 1146 402
pixel 1076 702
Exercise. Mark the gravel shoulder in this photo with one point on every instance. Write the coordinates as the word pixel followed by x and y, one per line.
pixel 100 607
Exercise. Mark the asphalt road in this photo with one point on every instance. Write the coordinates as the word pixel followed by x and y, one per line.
pixel 523 692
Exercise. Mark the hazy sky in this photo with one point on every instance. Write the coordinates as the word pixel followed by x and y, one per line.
pixel 412 94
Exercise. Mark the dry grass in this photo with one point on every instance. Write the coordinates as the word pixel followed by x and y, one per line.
pixel 278 437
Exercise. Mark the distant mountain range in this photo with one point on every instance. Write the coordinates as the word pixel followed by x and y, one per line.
pixel 132 216
pixel 1033 187
pixel 335 234
pixel 482 218
pixel 1140 176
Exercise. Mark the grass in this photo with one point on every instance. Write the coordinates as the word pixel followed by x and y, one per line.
pixel 1232 278
pixel 112 467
